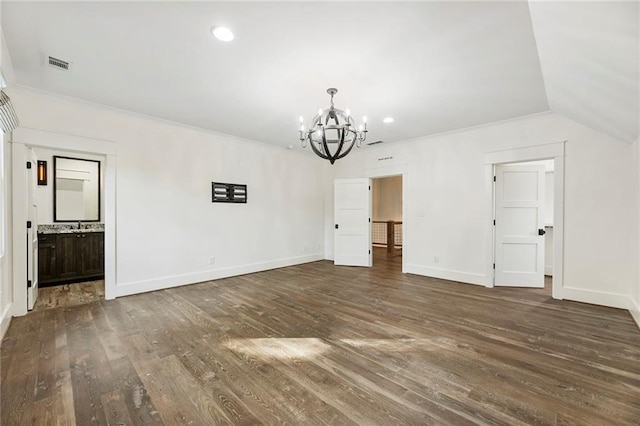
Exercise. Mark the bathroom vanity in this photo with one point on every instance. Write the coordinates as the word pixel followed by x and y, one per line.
pixel 67 254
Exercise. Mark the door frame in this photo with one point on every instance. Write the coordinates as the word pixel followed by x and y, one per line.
pixel 32 232
pixel 24 137
pixel 389 171
pixel 555 152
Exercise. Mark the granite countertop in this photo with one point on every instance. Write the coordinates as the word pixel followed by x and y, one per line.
pixel 70 228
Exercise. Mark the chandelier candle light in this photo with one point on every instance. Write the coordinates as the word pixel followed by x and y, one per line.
pixel 331 133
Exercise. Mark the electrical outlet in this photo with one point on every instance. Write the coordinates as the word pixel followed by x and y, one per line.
pixel 212 260
pixel 436 259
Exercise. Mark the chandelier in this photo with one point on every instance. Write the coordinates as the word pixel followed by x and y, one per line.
pixel 331 133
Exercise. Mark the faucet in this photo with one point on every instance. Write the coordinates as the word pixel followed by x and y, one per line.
pixel 79 224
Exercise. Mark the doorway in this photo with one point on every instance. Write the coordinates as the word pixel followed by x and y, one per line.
pixel 353 210
pixel 386 220
pixel 554 152
pixel 22 140
pixel 70 228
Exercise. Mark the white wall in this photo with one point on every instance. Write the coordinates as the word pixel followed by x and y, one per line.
pixel 6 261
pixel 44 193
pixel 387 198
pixel 167 226
pixel 446 203
pixel 635 293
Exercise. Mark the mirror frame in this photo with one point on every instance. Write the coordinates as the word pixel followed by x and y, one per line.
pixel 55 203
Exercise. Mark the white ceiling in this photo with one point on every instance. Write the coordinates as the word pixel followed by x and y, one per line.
pixel 433 66
pixel 589 56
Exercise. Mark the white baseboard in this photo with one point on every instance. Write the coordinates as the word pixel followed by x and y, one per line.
pixel 135 287
pixel 446 274
pixel 634 310
pixel 611 300
pixel 329 255
pixel 548 270
pixel 5 320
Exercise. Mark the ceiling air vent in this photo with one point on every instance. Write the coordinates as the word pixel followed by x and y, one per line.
pixel 58 63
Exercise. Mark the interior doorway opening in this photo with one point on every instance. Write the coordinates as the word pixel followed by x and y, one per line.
pixel 386 220
pixel 556 152
pixel 68 220
pixel 26 138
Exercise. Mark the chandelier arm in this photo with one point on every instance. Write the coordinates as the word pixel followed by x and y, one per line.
pixel 329 157
pixel 341 143
pixel 344 154
pixel 317 151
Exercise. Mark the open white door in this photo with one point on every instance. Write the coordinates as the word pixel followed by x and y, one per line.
pixel 32 231
pixel 519 230
pixel 352 233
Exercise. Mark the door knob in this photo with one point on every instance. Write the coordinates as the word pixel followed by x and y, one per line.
pixel 541 232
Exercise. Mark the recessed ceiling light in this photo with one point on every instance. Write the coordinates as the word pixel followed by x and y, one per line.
pixel 222 33
pixel 388 120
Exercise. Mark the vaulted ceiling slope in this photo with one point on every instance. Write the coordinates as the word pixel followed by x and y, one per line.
pixel 589 54
pixel 433 66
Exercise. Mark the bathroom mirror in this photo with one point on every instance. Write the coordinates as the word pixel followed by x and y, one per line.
pixel 76 190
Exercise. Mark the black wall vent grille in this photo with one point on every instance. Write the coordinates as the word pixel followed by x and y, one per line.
pixel 58 63
pixel 228 192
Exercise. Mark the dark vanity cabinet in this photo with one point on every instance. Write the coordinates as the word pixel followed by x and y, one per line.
pixel 70 256
pixel 47 261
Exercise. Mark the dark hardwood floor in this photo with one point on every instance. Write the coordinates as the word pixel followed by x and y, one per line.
pixel 63 295
pixel 319 344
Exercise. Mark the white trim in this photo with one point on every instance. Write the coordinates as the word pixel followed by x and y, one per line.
pixel 528 153
pixel 143 286
pixel 19 231
pixel 557 279
pixel 5 320
pixel 23 137
pixel 447 274
pixel 56 140
pixel 596 297
pixel 386 171
pixel 548 270
pixel 531 153
pixel 110 227
pixel 634 310
pixel 489 233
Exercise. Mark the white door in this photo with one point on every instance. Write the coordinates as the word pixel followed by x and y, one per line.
pixel 519 230
pixel 32 232
pixel 352 212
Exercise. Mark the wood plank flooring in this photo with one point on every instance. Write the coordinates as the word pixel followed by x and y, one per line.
pixel 316 344
pixel 69 294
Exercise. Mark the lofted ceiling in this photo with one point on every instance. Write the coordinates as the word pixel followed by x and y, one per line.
pixel 432 66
